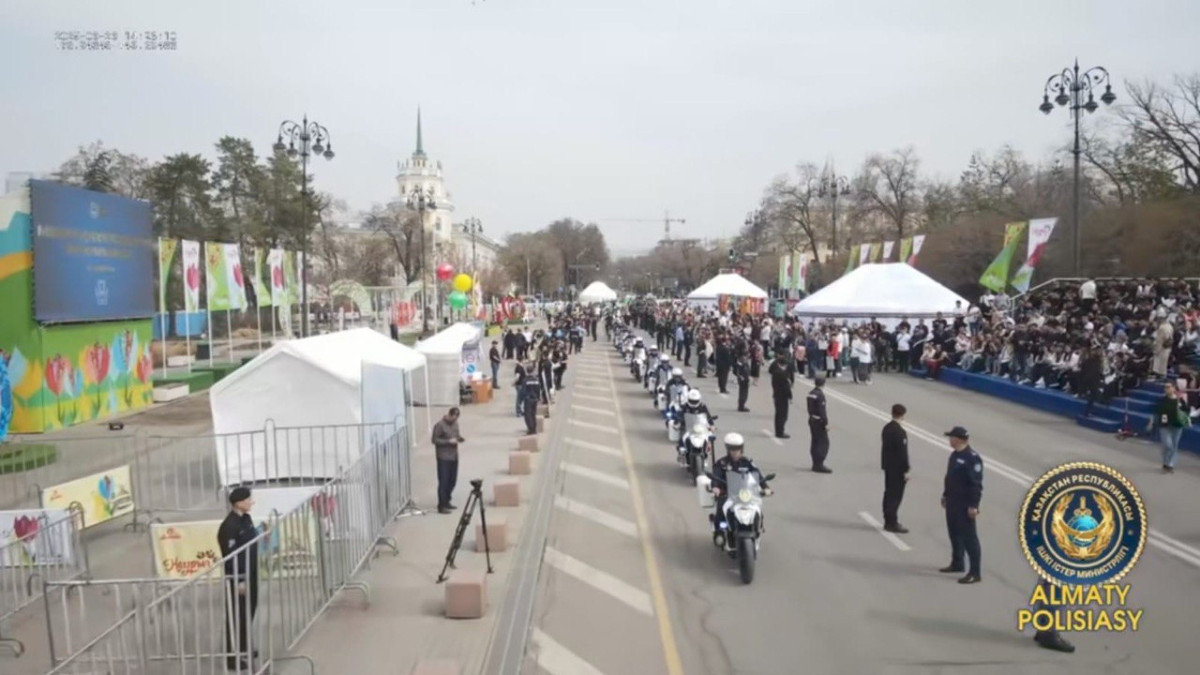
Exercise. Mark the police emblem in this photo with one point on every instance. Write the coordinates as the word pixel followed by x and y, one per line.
pixel 1082 524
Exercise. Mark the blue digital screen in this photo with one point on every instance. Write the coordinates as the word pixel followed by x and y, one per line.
pixel 93 255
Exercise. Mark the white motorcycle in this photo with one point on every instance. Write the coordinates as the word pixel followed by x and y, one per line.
pixel 741 526
pixel 637 368
pixel 695 451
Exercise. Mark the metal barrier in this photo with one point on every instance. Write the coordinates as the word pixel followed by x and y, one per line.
pixel 75 457
pixel 55 552
pixel 248 610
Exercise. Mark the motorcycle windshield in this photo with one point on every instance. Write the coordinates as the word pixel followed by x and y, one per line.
pixel 743 488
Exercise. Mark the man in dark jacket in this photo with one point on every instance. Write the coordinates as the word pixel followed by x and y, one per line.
pixel 895 469
pixel 723 358
pixel 781 392
pixel 241 578
pixel 445 446
pixel 961 496
pixel 494 359
pixel 818 426
pixel 741 371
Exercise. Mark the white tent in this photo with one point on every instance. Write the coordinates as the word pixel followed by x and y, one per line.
pixel 885 290
pixel 313 393
pixel 726 284
pixel 597 291
pixel 454 355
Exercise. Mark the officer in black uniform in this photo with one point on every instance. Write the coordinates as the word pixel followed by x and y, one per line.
pixel 241 578
pixel 781 392
pixel 818 427
pixel 734 461
pixel 531 391
pixel 520 375
pixel 741 371
pixel 963 490
pixel 894 460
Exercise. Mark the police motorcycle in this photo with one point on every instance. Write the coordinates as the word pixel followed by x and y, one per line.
pixel 696 452
pixel 675 411
pixel 662 375
pixel 650 376
pixel 741 526
pixel 637 362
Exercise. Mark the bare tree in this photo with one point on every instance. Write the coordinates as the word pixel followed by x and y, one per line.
pixel 402 229
pixel 1168 120
pixel 889 186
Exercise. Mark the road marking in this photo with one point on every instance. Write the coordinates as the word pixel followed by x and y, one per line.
pixel 557 659
pixel 595 475
pixel 598 411
pixel 890 536
pixel 600 580
pixel 1184 552
pixel 662 612
pixel 594 387
pixel 590 425
pixel 596 515
pixel 595 368
pixel 589 397
pixel 768 434
pixel 595 447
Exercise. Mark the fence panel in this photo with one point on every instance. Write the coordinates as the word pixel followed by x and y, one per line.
pixel 55 552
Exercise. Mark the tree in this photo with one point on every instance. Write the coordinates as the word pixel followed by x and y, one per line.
pixel 1127 171
pixel 1167 120
pixel 239 180
pixel 889 186
pixel 284 221
pixel 96 167
pixel 402 229
pixel 577 244
pixel 182 195
pixel 533 261
pixel 792 211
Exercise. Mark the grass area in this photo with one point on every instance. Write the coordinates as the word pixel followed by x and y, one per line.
pixel 18 457
pixel 197 380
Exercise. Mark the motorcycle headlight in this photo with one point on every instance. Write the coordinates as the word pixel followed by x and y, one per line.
pixel 744 516
pixel 744 496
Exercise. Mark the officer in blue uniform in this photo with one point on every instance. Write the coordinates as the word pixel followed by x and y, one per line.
pixel 960 498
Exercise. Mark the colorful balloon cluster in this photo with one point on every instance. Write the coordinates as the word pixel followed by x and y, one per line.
pixel 462 284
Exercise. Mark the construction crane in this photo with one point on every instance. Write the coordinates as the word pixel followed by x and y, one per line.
pixel 666 220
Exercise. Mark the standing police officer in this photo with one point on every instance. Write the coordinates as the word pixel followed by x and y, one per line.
pixel 963 490
pixel 531 393
pixel 781 392
pixel 818 427
pixel 241 579
pixel 894 458
pixel 741 371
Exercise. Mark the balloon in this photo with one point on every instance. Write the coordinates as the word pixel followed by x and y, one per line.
pixel 445 271
pixel 463 283
pixel 458 299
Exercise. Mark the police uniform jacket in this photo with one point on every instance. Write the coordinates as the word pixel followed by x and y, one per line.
pixel 741 370
pixel 781 382
pixel 816 408
pixel 964 479
pixel 895 448
pixel 236 531
pixel 723 466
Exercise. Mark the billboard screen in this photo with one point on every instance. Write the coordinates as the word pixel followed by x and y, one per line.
pixel 93 255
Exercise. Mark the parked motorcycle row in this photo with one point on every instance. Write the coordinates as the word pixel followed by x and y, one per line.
pixel 692 431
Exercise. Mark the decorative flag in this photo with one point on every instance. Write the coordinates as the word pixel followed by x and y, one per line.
pixel 800 271
pixel 215 278
pixel 235 280
pixel 191 276
pixel 917 241
pixel 785 271
pixel 300 275
pixel 887 250
pixel 1040 230
pixel 851 259
pixel 875 250
pixel 166 255
pixel 262 292
pixel 905 249
pixel 289 278
pixel 864 254
pixel 995 276
pixel 278 285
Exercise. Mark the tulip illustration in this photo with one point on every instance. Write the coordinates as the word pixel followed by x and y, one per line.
pixel 192 278
pixel 237 276
pixel 26 529
pixel 56 372
pixel 277 277
pixel 104 496
pixel 96 360
pixel 145 367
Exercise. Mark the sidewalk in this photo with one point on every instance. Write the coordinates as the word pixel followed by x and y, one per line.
pixel 404 623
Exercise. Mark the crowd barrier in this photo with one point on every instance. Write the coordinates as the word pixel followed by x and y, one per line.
pixel 35 548
pixel 248 609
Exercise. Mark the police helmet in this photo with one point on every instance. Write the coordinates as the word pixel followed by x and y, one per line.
pixel 734 441
pixel 693 396
pixel 676 372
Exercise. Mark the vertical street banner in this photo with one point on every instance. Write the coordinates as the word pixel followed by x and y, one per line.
pixel 262 292
pixel 216 281
pixel 166 255
pixel 876 248
pixel 300 280
pixel 800 271
pixel 1040 230
pixel 917 242
pixel 851 258
pixel 191 275
pixel 235 280
pixel 887 250
pixel 289 278
pixel 864 254
pixel 785 271
pixel 278 283
pixel 995 277
pixel 905 250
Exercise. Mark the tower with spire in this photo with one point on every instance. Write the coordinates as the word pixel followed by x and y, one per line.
pixel 419 173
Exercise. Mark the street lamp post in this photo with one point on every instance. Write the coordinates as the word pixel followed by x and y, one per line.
pixel 1069 86
pixel 474 228
pixel 421 201
pixel 833 187
pixel 304 139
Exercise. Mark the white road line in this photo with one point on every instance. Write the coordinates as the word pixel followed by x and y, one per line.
pixel 625 527
pixel 600 580
pixel 598 411
pixel 768 434
pixel 589 366
pixel 595 447
pixel 606 399
pixel 896 541
pixel 1184 552
pixel 595 475
pixel 594 387
pixel 557 659
pixel 589 425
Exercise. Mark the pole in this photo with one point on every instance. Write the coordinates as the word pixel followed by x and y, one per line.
pixel 424 272
pixel 229 331
pixel 1077 110
pixel 833 224
pixel 187 334
pixel 162 307
pixel 527 291
pixel 258 317
pixel 304 226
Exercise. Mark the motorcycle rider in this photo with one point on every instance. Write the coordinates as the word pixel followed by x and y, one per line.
pixel 677 387
pixel 689 414
pixel 651 365
pixel 735 460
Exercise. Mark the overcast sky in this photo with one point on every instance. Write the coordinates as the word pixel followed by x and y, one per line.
pixel 594 109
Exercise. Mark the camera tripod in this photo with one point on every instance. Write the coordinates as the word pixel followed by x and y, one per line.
pixel 473 500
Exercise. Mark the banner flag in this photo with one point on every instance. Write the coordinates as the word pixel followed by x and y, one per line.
pixel 876 248
pixel 905 250
pixel 864 254
pixel 278 285
pixel 191 275
pixel 995 276
pixel 800 268
pixel 216 280
pixel 917 242
pixel 851 259
pixel 235 280
pixel 785 271
pixel 166 255
pixel 887 250
pixel 289 278
pixel 1040 230
pixel 262 292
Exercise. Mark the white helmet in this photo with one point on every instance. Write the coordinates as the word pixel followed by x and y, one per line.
pixel 734 440
pixel 665 360
pixel 676 372
pixel 693 396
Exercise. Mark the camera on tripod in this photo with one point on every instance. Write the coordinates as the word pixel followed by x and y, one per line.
pixel 475 499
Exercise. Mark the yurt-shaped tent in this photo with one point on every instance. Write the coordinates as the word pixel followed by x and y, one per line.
pixel 597 291
pixel 455 356
pixel 734 285
pixel 882 291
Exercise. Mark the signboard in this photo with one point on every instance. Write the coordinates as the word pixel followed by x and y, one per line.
pixel 184 550
pixel 94 255
pixel 36 537
pixel 291 548
pixel 100 497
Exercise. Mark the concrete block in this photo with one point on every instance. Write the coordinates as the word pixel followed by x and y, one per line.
pixel 440 667
pixel 508 493
pixel 527 444
pixel 541 425
pixel 520 463
pixel 497 534
pixel 165 393
pixel 180 361
pixel 466 595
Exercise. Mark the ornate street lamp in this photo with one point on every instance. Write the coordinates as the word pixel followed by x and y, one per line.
pixel 473 228
pixel 422 201
pixel 834 187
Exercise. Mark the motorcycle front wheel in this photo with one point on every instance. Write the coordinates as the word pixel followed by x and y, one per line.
pixel 746 556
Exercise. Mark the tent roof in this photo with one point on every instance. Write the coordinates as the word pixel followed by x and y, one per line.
pixel 882 290
pixel 597 291
pixel 449 340
pixel 727 284
pixel 340 354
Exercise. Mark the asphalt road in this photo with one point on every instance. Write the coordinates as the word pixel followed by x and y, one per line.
pixel 832 594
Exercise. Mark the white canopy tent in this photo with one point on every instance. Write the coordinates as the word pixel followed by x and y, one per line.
pixel 725 284
pixel 454 354
pixel 884 290
pixel 597 291
pixel 327 385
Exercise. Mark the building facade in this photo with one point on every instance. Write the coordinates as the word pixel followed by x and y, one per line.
pixel 419 173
